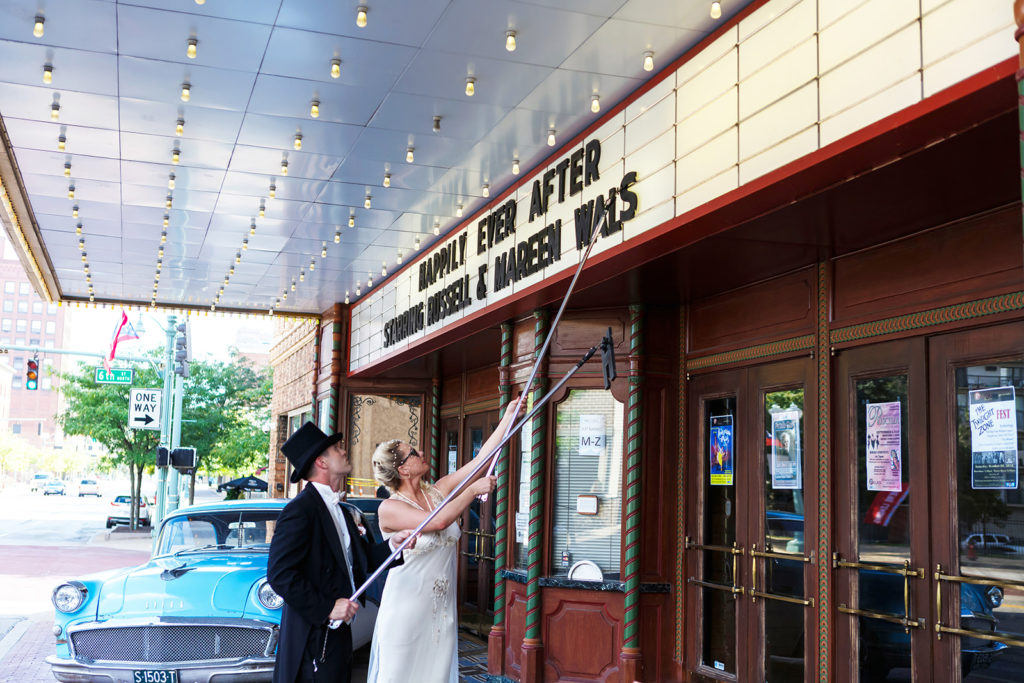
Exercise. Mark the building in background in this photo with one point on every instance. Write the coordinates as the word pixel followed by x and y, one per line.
pixel 27 320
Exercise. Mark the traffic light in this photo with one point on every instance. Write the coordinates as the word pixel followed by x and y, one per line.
pixel 182 350
pixel 32 373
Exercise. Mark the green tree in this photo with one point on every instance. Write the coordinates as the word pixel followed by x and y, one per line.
pixel 100 411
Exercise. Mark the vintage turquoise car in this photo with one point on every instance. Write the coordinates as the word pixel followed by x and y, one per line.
pixel 200 610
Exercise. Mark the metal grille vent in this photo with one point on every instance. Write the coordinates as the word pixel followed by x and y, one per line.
pixel 172 643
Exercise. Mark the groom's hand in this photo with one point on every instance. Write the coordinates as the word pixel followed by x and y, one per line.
pixel 343 610
pixel 400 537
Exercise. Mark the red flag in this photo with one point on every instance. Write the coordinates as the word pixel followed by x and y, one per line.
pixel 123 332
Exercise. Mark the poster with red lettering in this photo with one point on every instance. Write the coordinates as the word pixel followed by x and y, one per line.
pixel 993 416
pixel 884 449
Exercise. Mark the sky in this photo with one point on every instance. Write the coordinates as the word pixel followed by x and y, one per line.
pixel 212 336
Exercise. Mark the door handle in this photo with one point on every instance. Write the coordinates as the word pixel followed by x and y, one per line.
pixel 940 628
pixel 904 620
pixel 735 550
pixel 767 554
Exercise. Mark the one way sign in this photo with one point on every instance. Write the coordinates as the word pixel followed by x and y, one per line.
pixel 144 409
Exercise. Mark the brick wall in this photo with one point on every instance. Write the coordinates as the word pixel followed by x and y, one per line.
pixel 291 356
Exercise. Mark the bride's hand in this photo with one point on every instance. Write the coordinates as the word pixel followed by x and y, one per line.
pixel 483 486
pixel 400 536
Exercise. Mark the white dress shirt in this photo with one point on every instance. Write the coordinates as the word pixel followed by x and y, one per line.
pixel 332 500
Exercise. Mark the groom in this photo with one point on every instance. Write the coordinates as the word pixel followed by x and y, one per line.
pixel 317 559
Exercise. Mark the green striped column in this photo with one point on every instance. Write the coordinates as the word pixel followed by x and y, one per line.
pixel 680 486
pixel 824 479
pixel 1018 15
pixel 337 341
pixel 501 493
pixel 435 428
pixel 535 538
pixel 314 385
pixel 631 519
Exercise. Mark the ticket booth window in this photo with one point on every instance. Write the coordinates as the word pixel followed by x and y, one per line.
pixel 587 483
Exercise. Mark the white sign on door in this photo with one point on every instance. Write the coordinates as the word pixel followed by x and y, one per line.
pixel 144 409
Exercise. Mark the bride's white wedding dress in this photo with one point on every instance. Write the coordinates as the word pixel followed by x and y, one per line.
pixel 416 634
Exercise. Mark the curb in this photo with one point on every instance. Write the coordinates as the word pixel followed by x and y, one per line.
pixel 12 637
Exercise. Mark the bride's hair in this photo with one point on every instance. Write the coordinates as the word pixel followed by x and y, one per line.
pixel 385 464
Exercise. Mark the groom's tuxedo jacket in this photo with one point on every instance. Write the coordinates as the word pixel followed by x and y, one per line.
pixel 307 568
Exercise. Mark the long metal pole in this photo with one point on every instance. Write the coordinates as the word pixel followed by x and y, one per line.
pixel 165 425
pixel 469 477
pixel 554 325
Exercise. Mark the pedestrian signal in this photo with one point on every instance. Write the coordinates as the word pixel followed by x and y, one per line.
pixel 32 374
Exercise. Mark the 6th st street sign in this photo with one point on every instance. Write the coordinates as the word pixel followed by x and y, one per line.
pixel 114 376
pixel 144 408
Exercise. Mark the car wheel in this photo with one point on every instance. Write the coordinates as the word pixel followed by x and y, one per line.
pixel 110 525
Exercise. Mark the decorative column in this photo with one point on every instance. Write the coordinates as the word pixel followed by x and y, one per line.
pixel 1018 16
pixel 630 662
pixel 315 384
pixel 435 428
pixel 533 650
pixel 496 638
pixel 823 358
pixel 680 586
pixel 339 361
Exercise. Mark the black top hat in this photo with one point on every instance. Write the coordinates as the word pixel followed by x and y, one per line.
pixel 304 445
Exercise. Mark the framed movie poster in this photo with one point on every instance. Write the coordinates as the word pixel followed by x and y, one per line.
pixel 786 458
pixel 721 442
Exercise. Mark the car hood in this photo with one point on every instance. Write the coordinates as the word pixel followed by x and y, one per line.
pixel 217 583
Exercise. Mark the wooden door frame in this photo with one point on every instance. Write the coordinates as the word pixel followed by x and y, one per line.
pixel 902 356
pixel 485 597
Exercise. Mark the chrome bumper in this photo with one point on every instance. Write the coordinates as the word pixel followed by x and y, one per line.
pixel 255 670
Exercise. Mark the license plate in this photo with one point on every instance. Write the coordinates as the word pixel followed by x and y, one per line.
pixel 156 676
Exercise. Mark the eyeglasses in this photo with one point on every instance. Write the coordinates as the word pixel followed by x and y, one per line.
pixel 412 452
pixel 393 450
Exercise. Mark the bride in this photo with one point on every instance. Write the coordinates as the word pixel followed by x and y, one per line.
pixel 416 634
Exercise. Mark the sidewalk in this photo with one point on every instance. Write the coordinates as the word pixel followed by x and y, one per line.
pixel 124 538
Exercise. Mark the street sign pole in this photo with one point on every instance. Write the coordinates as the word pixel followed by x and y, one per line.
pixel 173 482
pixel 165 426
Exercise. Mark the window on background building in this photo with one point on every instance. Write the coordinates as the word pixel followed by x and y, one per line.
pixel 18 363
pixel 16 381
pixel 23 288
pixel 8 306
pixel 37 326
pixel 22 307
pixel 49 344
pixel 34 341
pixel 6 325
pixel 9 287
pixel 46 384
pixel 16 428
pixel 587 482
pixel 21 325
pixel 51 327
pixel 39 426
pixel 51 308
pixel 6 341
pixel 37 306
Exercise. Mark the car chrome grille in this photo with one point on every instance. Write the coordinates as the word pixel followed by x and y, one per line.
pixel 170 643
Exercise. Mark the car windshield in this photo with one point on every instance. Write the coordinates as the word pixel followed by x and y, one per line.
pixel 217 530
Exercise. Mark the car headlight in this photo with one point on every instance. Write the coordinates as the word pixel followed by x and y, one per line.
pixel 994 595
pixel 268 597
pixel 68 597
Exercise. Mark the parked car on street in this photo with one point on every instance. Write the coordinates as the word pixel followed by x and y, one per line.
pixel 54 487
pixel 989 543
pixel 37 482
pixel 201 609
pixel 88 487
pixel 121 511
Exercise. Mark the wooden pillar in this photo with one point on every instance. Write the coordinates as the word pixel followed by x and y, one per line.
pixel 629 658
pixel 1018 16
pixel 496 638
pixel 533 649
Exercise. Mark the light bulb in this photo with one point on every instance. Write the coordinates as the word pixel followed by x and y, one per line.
pixel 366 202
pixel 361 16
pixel 47 74
pixel 323 250
pixel 37 28
pixel 437 124
pixel 515 167
pixel 84 257
pixel 716 10
pixel 387 180
pixel 62 143
pixel 170 182
pixel 595 103
pixel 175 155
pixel 458 211
pixel 191 50
pixel 284 167
pixel 74 211
pixel 551 137
pixel 314 109
pixel 245 244
pixel 510 41
pixel 357 290
pixel 470 86
pixel 67 170
pixel 186 92
pixel 167 220
pixel 179 128
pixel 399 259
pixel 81 245
pixel 486 190
pixel 293 285
pixel 298 142
pixel 346 297
pixel 312 264
pixel 231 270
pixel 78 229
pixel 369 280
pixel 648 61
pixel 263 211
pixel 351 220
pixel 71 191
pixel 169 201
pixel 273 190
pixel 200 2
pixel 409 155
pixel 252 228
pixel 238 258
pixel 54 111
pixel 337 237
pixel 335 68
pixel 383 268
pixel 302 276
pixel 163 237
pixel 416 244
pixel 437 228
pixel 160 254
